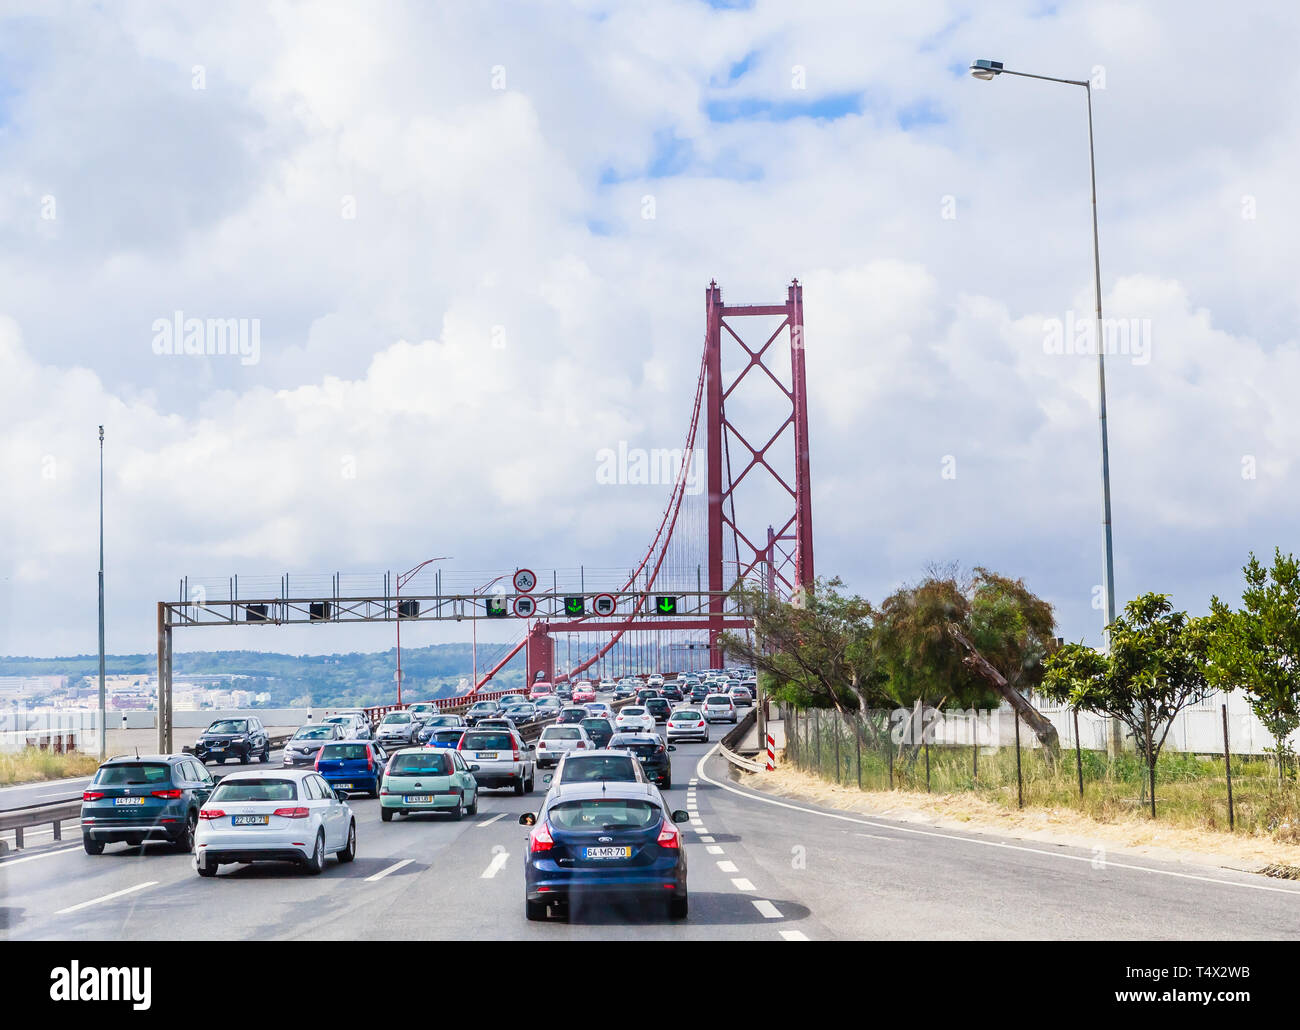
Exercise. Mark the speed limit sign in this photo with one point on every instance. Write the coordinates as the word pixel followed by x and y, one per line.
pixel 525 581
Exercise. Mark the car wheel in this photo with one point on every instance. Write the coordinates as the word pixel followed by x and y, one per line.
pixel 134 842
pixel 473 809
pixel 221 761
pixel 678 907
pixel 205 868
pixel 458 812
pixel 386 814
pixel 266 752
pixel 185 842
pixel 532 782
pixel 668 783
pixel 92 846
pixel 535 910
pixel 316 864
pixel 375 792
pixel 350 852
pixel 519 786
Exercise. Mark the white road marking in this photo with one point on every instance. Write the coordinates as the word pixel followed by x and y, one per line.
pixel 792 935
pixel 106 897
pixel 741 884
pixel 767 910
pixel 391 869
pixel 875 836
pixel 987 843
pixel 727 866
pixel 32 858
pixel 705 839
pixel 496 865
pixel 489 822
pixel 713 849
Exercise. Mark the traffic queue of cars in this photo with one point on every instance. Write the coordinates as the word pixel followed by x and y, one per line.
pixel 420 760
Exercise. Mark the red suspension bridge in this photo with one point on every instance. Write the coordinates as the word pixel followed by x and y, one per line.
pixel 751 523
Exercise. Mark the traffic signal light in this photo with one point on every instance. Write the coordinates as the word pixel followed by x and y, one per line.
pixel 496 607
pixel 666 605
pixel 574 606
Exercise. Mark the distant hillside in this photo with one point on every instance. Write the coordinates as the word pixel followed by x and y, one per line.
pixel 338 679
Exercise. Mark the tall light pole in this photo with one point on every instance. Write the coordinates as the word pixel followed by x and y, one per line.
pixel 990 70
pixel 103 699
pixel 474 628
pixel 403 578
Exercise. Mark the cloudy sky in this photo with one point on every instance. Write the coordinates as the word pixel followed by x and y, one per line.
pixel 476 237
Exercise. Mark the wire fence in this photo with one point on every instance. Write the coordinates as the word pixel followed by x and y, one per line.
pixel 993 755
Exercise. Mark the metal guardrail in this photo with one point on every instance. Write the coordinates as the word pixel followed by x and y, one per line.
pixel 20 819
pixel 732 740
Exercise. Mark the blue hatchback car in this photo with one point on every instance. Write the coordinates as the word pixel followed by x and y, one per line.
pixel 603 839
pixel 352 766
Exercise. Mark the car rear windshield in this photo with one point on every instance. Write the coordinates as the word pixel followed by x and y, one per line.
pixel 594 768
pixel 643 748
pixel 255 790
pixel 562 733
pixel 488 741
pixel 427 763
pixel 604 814
pixel 397 717
pixel 133 773
pixel 598 725
pixel 717 699
pixel 344 752
pixel 442 736
pixel 229 726
pixel 325 732
pixel 682 714
pixel 657 703
pixel 634 711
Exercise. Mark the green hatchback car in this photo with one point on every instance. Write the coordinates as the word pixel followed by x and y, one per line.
pixel 428 780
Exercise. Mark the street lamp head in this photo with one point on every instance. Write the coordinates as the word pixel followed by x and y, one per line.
pixel 986 69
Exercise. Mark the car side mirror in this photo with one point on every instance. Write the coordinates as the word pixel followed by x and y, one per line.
pixel 527 819
pixel 473 768
pixel 672 747
pixel 547 778
pixel 681 817
pixel 342 795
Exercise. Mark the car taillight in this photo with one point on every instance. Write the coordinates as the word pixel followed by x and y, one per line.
pixel 541 745
pixel 669 837
pixel 293 813
pixel 581 745
pixel 516 755
pixel 540 838
pixel 316 764
pixel 211 813
pixel 166 793
pixel 701 722
pixel 91 795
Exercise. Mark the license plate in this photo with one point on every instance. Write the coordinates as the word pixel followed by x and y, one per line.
pixel 342 786
pixel 623 852
pixel 217 747
pixel 252 820
pixel 128 801
pixel 418 799
pixel 487 755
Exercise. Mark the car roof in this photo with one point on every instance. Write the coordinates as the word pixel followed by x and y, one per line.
pixel 145 758
pixel 273 773
pixel 634 790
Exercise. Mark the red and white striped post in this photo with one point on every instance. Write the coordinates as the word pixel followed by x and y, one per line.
pixel 771 752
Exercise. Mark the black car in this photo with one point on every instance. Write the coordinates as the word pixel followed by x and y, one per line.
pixel 309 739
pixel 599 730
pixel 569 716
pixel 597 840
pixel 439 722
pixel 482 710
pixel 134 799
pixel 645 693
pixel 564 692
pixel 242 739
pixel 672 693
pixel 652 752
pixel 659 707
pixel 698 693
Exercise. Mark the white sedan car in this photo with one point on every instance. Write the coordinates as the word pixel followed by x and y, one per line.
pixel 634 719
pixel 687 724
pixel 287 816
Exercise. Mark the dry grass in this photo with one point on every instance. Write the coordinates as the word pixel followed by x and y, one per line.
pixel 1124 830
pixel 31 765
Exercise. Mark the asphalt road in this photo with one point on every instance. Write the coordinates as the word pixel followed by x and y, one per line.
pixel 760 868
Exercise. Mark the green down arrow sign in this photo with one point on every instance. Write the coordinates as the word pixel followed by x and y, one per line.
pixel 573 606
pixel 666 605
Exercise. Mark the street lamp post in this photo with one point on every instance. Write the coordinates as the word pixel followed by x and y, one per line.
pixel 404 578
pixel 989 70
pixel 103 699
